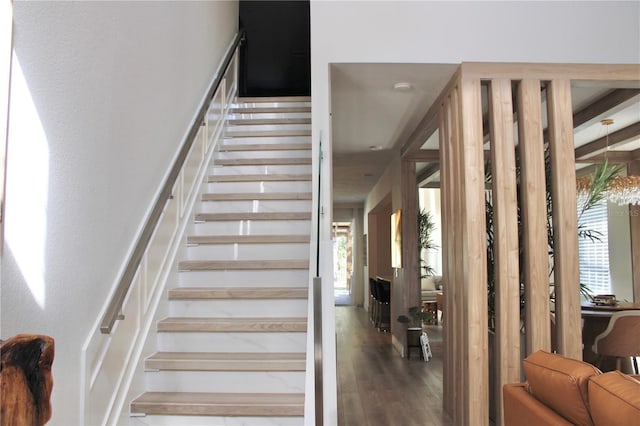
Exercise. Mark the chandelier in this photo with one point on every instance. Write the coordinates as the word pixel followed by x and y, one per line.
pixel 624 190
pixel 620 189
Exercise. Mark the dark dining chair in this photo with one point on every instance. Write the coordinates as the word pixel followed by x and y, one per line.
pixel 384 315
pixel 621 339
pixel 372 299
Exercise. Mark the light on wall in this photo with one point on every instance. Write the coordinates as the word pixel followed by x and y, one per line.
pixel 402 86
pixel 396 239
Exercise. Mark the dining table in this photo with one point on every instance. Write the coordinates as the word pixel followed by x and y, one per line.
pixel 595 319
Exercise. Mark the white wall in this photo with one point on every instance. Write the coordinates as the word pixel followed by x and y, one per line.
pixel 103 93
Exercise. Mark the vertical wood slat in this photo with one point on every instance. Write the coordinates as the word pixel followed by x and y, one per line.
pixel 634 224
pixel 448 371
pixel 474 254
pixel 565 235
pixel 534 216
pixel 447 254
pixel 452 173
pixel 409 225
pixel 451 368
pixel 457 302
pixel 506 245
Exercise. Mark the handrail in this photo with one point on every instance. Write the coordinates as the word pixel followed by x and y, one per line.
pixel 317 310
pixel 114 309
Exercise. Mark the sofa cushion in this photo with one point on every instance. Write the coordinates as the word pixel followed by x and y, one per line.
pixel 429 283
pixel 520 408
pixel 614 398
pixel 561 384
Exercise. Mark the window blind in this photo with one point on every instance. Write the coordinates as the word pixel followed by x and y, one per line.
pixel 594 254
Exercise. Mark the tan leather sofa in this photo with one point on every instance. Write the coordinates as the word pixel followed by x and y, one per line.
pixel 565 391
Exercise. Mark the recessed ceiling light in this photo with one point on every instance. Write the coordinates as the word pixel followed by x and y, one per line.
pixel 375 148
pixel 402 86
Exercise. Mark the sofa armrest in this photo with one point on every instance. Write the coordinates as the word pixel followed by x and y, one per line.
pixel 521 408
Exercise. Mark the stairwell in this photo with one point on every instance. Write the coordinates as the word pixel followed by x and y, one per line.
pixel 232 350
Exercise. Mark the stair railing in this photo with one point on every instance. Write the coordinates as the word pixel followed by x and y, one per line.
pixel 317 310
pixel 109 363
pixel 114 310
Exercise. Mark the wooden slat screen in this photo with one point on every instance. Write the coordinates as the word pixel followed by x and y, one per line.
pixel 465 383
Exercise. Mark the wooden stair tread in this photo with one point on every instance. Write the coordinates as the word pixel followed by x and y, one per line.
pixel 265 133
pixel 208 265
pixel 267 110
pixel 266 147
pixel 251 196
pixel 260 178
pixel 263 161
pixel 217 361
pixel 189 293
pixel 219 404
pixel 210 217
pixel 248 239
pixel 212 324
pixel 268 121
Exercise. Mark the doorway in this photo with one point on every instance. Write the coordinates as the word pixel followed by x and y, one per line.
pixel 275 59
pixel 342 262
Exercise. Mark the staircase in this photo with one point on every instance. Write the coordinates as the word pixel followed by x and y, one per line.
pixel 232 350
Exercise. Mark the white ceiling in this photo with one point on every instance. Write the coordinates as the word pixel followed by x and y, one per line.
pixel 367 112
pixel 370 119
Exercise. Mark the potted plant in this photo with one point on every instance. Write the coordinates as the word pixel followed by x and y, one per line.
pixel 414 320
pixel 426 226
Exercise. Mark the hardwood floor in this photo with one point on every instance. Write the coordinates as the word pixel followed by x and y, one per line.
pixel 378 388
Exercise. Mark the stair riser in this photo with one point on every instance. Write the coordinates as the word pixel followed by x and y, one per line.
pixel 272 308
pixel 232 155
pixel 249 251
pixel 269 278
pixel 286 169
pixel 256 206
pixel 215 420
pixel 232 342
pixel 253 227
pixel 267 139
pixel 223 381
pixel 265 127
pixel 234 187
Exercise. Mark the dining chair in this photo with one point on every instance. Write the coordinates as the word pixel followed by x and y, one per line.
pixel 384 314
pixel 373 301
pixel 621 339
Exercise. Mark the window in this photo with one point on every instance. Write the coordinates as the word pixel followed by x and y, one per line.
pixel 594 254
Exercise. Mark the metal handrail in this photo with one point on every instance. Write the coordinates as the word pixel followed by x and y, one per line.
pixel 114 310
pixel 317 311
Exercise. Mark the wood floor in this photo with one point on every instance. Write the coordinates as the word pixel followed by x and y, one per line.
pixel 378 388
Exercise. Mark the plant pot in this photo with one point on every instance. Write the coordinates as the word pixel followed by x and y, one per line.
pixel 413 336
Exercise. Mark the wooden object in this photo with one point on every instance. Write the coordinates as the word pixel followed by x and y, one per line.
pixel 505 207
pixel 26 380
pixel 534 216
